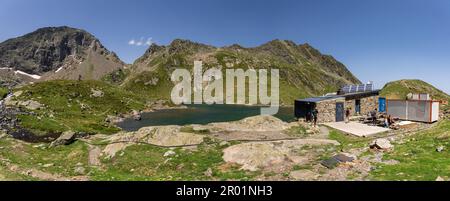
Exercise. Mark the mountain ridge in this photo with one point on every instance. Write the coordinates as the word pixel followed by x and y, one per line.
pixel 52 53
pixel 58 53
pixel 304 71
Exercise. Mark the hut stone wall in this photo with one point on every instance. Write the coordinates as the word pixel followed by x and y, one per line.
pixel 327 110
pixel 367 105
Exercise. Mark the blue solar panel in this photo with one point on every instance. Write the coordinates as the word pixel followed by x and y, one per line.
pixel 353 89
pixel 361 88
pixel 369 87
pixel 357 88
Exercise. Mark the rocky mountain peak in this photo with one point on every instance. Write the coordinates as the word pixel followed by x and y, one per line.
pixel 49 48
pixel 182 45
pixel 235 47
pixel 57 53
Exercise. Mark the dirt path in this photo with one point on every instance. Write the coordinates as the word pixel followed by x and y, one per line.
pixel 323 133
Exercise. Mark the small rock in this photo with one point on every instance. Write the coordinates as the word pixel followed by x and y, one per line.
pixel 3 135
pixel 208 172
pixel 96 93
pixel 224 143
pixel 345 157
pixel 48 165
pixel 17 93
pixel 439 178
pixel 330 163
pixel 136 115
pixel 440 149
pixel 381 144
pixel 303 175
pixel 38 145
pixel 80 170
pixel 391 162
pixel 169 153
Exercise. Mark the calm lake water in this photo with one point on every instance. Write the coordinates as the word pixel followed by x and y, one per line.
pixel 201 114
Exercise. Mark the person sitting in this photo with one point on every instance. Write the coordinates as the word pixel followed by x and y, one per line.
pixel 387 121
pixel 391 120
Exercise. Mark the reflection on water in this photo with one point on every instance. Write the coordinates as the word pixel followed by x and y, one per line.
pixel 201 114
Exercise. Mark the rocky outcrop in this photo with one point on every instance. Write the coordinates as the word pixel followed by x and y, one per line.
pixel 166 136
pixel 30 104
pixel 111 149
pixel 260 155
pixel 259 123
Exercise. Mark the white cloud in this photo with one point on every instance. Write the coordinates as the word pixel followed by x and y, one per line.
pixel 131 42
pixel 141 42
pixel 149 41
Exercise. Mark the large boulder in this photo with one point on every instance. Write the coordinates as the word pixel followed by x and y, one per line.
pixel 64 139
pixel 381 144
pixel 31 104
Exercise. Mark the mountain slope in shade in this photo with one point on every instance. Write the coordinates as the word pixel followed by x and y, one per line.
pixel 56 53
pixel 304 71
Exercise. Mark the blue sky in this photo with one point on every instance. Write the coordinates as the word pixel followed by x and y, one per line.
pixel 380 40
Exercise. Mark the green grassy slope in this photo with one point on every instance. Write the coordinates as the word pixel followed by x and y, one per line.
pixel 69 105
pixel 418 157
pixel 3 92
pixel 399 89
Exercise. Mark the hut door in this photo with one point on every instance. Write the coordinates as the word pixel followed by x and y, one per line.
pixel 382 105
pixel 358 106
pixel 339 111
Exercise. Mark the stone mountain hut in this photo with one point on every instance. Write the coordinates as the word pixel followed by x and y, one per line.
pixel 360 99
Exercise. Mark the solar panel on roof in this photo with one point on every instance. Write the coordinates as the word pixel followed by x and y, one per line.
pixel 361 88
pixel 369 87
pixel 357 88
pixel 353 89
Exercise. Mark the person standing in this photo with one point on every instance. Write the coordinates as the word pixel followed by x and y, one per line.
pixel 315 113
pixel 373 114
pixel 347 115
